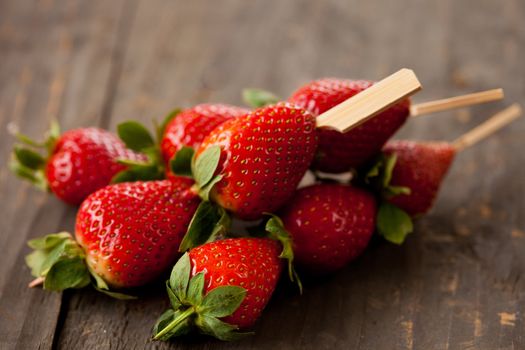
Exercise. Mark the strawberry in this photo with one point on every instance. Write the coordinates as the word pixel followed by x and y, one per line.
pixel 252 164
pixel 80 162
pixel 220 288
pixel 339 152
pixel 330 225
pixel 192 125
pixel 421 167
pixel 406 178
pixel 126 236
pixel 181 130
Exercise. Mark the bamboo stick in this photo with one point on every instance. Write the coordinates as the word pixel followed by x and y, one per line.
pixel 498 121
pixel 456 102
pixel 368 103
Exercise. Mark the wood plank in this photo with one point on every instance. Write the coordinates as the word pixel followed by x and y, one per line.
pixel 57 63
pixel 457 282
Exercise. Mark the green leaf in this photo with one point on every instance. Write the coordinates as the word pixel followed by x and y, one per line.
pixel 222 301
pixel 124 176
pixel 139 171
pixel 29 158
pixel 277 231
pixel 196 288
pixel 206 164
pixel 180 277
pixel 380 176
pixel 204 192
pixel 67 273
pixel 135 135
pixel 51 249
pixel 178 324
pixel 258 98
pixel 392 191
pixel 13 130
pixel 164 319
pixel 389 164
pixel 23 171
pixel 393 223
pixel 221 330
pixel 35 177
pixel 54 130
pixel 101 286
pixel 374 171
pixel 174 299
pixel 49 241
pixel 180 164
pixel 52 136
pixel 35 260
pixel 53 255
pixel 207 221
pixel 222 226
pixel 153 154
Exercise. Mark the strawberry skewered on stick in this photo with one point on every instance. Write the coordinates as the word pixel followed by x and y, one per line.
pixel 409 174
pixel 341 152
pixel 252 165
pixel 230 269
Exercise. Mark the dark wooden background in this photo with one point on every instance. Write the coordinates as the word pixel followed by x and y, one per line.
pixel 458 283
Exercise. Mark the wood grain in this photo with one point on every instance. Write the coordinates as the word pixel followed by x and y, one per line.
pixel 456 284
pixel 57 65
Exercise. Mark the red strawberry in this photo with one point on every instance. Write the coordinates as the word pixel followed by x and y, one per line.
pixel 339 152
pixel 192 125
pixel 330 225
pixel 221 287
pixel 127 234
pixel 421 167
pixel 258 159
pixel 80 162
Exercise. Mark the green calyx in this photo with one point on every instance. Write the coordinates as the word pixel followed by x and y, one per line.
pixel 137 138
pixel 201 168
pixel 192 309
pixel 181 163
pixel 392 222
pixel 29 164
pixel 276 230
pixel 210 221
pixel 58 262
pixel 256 98
pixel 380 175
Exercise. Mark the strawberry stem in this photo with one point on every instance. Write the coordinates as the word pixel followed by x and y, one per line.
pixel 36 282
pixel 177 322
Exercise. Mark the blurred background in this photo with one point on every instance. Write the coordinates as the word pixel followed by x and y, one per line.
pixel 457 283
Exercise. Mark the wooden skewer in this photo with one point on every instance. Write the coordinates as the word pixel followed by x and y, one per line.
pixel 36 282
pixel 487 128
pixel 456 102
pixel 368 103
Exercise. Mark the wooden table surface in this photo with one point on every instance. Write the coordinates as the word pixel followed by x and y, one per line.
pixel 458 282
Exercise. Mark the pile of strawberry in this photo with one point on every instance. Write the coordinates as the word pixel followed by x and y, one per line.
pixel 148 202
